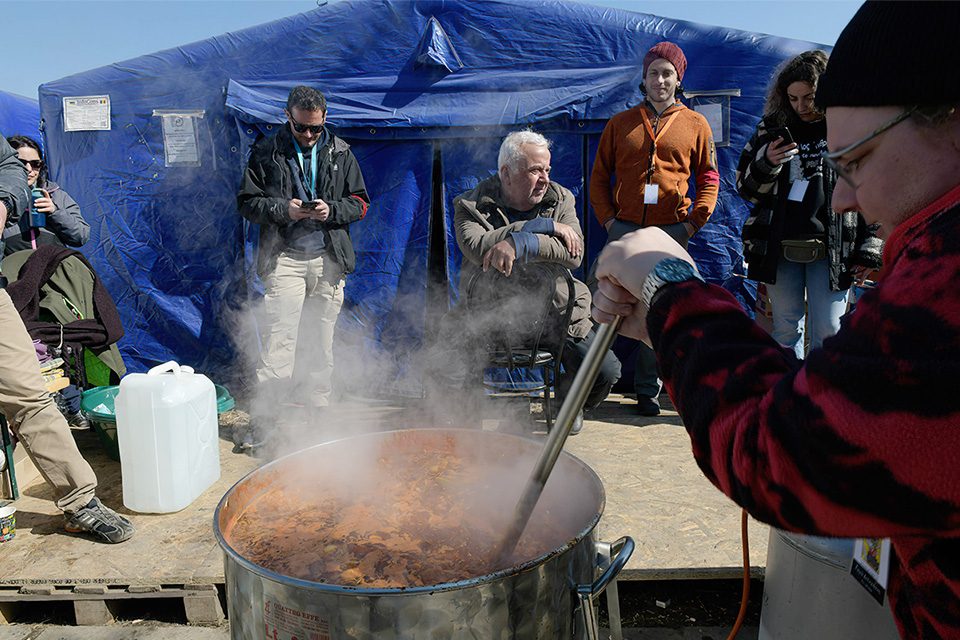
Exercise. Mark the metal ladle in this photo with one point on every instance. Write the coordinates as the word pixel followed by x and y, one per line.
pixel 571 406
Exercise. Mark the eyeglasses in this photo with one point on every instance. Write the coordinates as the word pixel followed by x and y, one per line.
pixel 36 164
pixel 315 129
pixel 847 169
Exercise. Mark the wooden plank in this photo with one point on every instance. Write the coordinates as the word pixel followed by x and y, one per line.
pixel 202 605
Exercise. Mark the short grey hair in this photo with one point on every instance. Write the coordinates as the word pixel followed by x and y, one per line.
pixel 510 147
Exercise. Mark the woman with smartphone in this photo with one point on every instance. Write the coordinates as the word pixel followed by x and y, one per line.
pixel 54 216
pixel 807 255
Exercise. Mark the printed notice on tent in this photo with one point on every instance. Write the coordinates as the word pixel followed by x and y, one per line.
pixel 713 112
pixel 86 113
pixel 181 139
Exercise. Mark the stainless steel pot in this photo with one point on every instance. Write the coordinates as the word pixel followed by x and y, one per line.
pixel 548 597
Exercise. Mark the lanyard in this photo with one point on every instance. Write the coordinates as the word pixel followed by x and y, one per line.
pixel 313 166
pixel 653 139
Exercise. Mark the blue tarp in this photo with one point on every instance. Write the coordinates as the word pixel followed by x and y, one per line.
pixel 19 115
pixel 424 90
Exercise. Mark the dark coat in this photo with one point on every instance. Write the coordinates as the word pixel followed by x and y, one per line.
pixel 268 187
pixel 60 299
pixel 13 182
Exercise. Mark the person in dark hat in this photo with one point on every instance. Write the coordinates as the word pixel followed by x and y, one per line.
pixel 861 438
pixel 641 173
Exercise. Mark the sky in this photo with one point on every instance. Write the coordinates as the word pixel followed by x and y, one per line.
pixel 51 39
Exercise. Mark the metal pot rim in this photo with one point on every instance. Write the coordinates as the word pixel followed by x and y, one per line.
pixel 399 591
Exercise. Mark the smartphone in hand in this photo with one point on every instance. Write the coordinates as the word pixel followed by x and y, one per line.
pixel 310 204
pixel 781 132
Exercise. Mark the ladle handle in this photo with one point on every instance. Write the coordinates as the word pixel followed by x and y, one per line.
pixel 572 404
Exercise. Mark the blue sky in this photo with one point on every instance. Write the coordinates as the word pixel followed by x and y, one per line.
pixel 50 39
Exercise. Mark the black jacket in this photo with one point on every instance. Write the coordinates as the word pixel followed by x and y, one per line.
pixel 268 186
pixel 849 242
pixel 13 182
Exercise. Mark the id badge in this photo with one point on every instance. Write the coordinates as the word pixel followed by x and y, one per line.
pixel 871 565
pixel 797 190
pixel 651 193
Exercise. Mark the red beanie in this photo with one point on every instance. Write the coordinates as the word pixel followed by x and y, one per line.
pixel 669 52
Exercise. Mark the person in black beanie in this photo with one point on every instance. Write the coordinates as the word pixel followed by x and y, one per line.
pixel 860 439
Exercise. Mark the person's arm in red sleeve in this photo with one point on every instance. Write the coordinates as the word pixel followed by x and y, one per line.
pixel 857 441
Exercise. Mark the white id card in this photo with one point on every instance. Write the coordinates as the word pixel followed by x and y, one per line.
pixel 797 190
pixel 871 565
pixel 650 193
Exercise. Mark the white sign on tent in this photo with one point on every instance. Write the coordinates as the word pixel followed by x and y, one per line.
pixel 86 113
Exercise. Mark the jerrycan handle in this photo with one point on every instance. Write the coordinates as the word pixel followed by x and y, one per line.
pixel 169 367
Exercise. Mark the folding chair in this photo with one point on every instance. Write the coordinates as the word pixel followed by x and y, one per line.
pixel 519 330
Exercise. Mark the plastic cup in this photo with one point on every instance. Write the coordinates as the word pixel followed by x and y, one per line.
pixel 8 523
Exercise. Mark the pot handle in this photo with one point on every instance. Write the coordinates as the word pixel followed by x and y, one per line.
pixel 620 552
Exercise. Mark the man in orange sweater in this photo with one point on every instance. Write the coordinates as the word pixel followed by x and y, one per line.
pixel 641 174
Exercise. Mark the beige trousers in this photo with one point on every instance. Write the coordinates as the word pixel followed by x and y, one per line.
pixel 302 299
pixel 34 417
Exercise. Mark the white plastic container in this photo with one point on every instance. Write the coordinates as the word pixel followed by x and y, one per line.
pixel 167 434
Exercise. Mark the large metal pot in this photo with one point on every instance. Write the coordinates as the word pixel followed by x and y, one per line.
pixel 550 596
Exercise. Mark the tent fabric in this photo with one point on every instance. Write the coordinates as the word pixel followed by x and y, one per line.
pixel 19 115
pixel 409 83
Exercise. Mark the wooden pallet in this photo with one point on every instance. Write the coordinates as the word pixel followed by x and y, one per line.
pixel 99 604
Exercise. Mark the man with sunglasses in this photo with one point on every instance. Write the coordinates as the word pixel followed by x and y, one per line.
pixel 861 439
pixel 303 187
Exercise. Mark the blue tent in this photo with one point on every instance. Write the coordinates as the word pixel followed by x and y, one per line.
pixel 19 115
pixel 424 90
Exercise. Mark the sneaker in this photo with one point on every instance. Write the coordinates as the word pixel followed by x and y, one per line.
pixel 648 406
pixel 102 522
pixel 577 421
pixel 246 439
pixel 577 424
pixel 78 421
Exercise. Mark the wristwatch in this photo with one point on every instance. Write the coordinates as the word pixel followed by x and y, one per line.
pixel 667 271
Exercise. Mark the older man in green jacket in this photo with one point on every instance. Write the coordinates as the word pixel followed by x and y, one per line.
pixel 520 216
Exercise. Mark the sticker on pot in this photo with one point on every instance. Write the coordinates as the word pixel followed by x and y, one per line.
pixel 286 623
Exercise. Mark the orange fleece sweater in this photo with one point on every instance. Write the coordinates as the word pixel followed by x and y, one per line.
pixel 622 168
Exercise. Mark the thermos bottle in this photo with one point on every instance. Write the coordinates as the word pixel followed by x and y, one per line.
pixel 37 219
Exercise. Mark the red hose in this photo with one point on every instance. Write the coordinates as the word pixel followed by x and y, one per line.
pixel 745 597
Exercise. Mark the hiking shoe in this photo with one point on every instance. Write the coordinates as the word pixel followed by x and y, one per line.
pixel 648 406
pixel 101 522
pixel 78 421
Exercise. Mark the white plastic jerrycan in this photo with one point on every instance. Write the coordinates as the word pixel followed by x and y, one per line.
pixel 167 433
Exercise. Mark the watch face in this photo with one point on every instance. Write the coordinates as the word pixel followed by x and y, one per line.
pixel 675 270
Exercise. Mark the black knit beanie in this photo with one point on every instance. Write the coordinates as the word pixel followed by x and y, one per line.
pixel 895 53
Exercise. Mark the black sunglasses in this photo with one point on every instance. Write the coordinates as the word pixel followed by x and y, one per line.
pixel 315 129
pixel 36 164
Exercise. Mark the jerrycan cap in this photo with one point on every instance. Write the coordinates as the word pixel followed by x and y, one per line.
pixel 168 367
